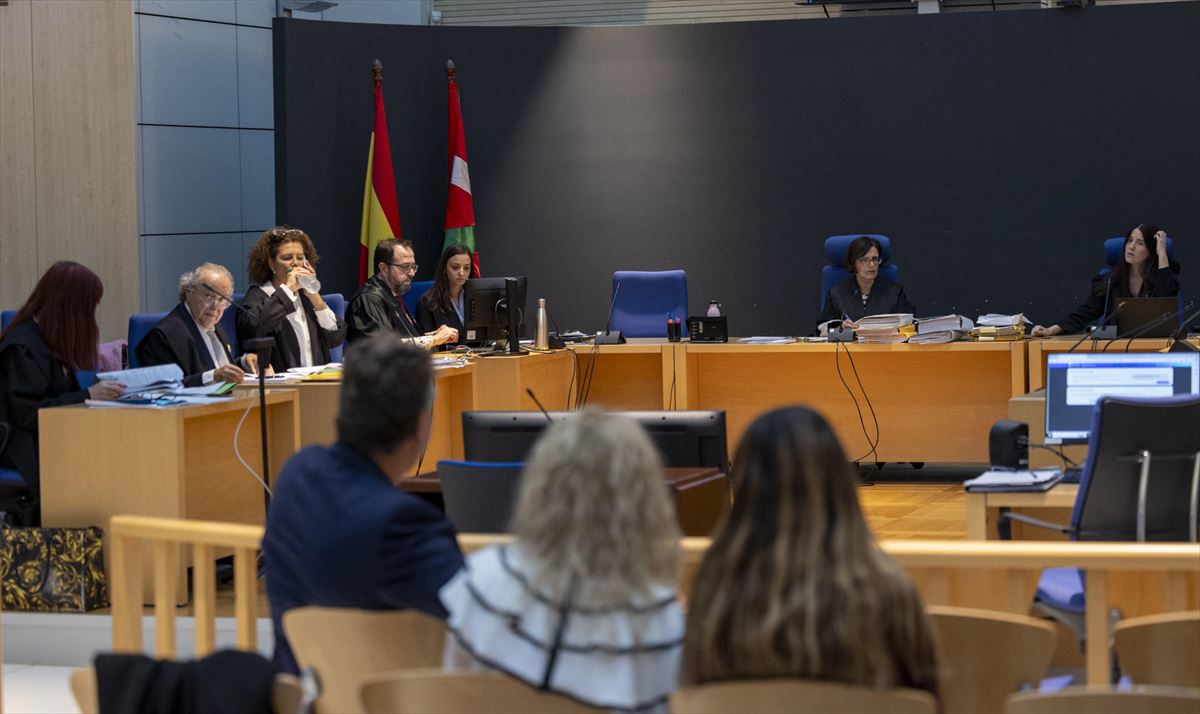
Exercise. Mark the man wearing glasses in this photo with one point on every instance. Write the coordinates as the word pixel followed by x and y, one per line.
pixel 191 335
pixel 379 303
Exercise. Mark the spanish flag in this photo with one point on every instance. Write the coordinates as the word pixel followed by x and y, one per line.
pixel 380 213
pixel 460 214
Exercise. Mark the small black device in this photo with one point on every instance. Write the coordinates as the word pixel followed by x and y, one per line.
pixel 1008 445
pixel 486 309
pixel 707 329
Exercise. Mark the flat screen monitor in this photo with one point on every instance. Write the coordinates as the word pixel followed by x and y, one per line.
pixel 1075 382
pixel 485 309
pixel 1148 317
pixel 684 438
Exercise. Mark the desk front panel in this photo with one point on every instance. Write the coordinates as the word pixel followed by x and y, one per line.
pixel 934 403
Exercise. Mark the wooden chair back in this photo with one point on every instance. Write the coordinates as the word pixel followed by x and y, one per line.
pixel 435 691
pixel 797 696
pixel 1105 700
pixel 346 646
pixel 984 656
pixel 1160 649
pixel 286 694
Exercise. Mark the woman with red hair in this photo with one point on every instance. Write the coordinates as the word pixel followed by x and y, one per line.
pixel 52 336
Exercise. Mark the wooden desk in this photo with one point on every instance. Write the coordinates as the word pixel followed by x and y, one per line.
pixel 176 462
pixel 934 402
pixel 1038 348
pixel 701 495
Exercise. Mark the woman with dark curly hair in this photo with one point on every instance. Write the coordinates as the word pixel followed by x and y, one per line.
pixel 276 305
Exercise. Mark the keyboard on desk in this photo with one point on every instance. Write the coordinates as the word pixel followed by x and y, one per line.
pixel 1071 476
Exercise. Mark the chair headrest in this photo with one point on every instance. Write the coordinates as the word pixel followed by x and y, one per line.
pixel 1114 247
pixel 836 247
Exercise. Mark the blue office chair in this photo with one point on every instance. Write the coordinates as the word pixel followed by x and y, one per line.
pixel 643 298
pixel 1109 506
pixel 835 255
pixel 1114 249
pixel 337 303
pixel 413 296
pixel 6 317
pixel 479 495
pixel 140 325
pixel 228 323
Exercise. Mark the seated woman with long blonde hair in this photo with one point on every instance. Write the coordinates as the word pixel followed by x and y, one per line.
pixel 583 602
pixel 794 585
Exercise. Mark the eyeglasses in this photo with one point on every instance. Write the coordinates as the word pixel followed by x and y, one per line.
pixel 870 261
pixel 214 300
pixel 405 267
pixel 280 232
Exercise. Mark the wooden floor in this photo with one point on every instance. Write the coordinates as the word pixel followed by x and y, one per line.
pixel 915 510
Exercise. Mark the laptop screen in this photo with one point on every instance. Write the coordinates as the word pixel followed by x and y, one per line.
pixel 1074 383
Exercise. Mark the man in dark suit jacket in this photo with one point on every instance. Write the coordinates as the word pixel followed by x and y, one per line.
pixel 191 335
pixel 339 532
pixel 378 306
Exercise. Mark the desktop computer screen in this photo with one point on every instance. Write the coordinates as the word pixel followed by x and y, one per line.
pixel 1074 382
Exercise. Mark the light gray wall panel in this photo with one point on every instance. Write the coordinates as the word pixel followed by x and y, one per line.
pixel 248 241
pixel 255 85
pixel 167 257
pixel 218 10
pixel 396 12
pixel 258 179
pixel 255 12
pixel 191 179
pixel 188 72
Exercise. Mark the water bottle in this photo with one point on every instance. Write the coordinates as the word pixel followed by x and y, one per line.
pixel 309 282
pixel 714 308
pixel 541 339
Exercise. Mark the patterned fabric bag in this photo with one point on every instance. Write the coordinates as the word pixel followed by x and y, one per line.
pixel 52 569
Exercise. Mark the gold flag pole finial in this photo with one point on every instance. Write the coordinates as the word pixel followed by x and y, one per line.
pixel 377 71
pixel 450 71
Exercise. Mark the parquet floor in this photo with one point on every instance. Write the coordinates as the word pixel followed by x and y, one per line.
pixel 915 510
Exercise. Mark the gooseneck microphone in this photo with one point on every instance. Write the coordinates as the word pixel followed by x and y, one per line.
pixel 1115 311
pixel 1178 338
pixel 1103 331
pixel 608 337
pixel 1155 323
pixel 538 402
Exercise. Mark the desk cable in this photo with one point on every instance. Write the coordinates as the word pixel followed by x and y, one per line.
pixel 838 346
pixel 238 452
pixel 1067 461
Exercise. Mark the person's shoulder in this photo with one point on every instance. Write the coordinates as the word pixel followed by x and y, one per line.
pixel 25 337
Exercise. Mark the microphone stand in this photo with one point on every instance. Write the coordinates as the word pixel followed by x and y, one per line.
pixel 608 337
pixel 261 346
pixel 1179 342
pixel 1117 308
pixel 1105 331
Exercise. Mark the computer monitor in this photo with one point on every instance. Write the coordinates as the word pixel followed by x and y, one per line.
pixel 1074 383
pixel 684 438
pixel 1148 317
pixel 485 309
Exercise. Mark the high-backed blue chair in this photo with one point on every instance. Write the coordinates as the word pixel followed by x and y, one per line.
pixel 337 303
pixel 140 325
pixel 643 298
pixel 228 323
pixel 1114 249
pixel 415 291
pixel 1110 506
pixel 835 257
pixel 479 495
pixel 6 317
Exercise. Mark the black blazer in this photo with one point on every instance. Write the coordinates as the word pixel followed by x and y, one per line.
pixel 1161 282
pixel 30 379
pixel 177 340
pixel 262 315
pixel 845 300
pixel 430 317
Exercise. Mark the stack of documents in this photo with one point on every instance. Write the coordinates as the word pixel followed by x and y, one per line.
pixel 888 328
pixel 159 378
pixel 893 320
pixel 765 340
pixel 995 319
pixel 1009 333
pixel 944 328
pixel 997 481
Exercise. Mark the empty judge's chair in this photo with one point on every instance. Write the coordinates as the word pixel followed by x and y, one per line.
pixel 1139 482
pixel 479 495
pixel 337 303
pixel 643 298
pixel 835 256
pixel 140 325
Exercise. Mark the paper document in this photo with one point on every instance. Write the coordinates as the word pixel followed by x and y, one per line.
pixel 995 319
pixel 997 480
pixel 766 340
pixel 284 378
pixel 161 376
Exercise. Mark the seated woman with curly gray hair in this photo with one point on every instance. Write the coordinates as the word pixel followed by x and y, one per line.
pixel 583 602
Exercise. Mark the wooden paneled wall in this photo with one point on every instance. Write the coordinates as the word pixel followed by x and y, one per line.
pixel 67 152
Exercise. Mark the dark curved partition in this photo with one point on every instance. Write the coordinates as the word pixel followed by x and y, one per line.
pixel 998 150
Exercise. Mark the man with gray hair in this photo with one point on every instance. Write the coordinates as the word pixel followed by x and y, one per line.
pixel 339 532
pixel 191 335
